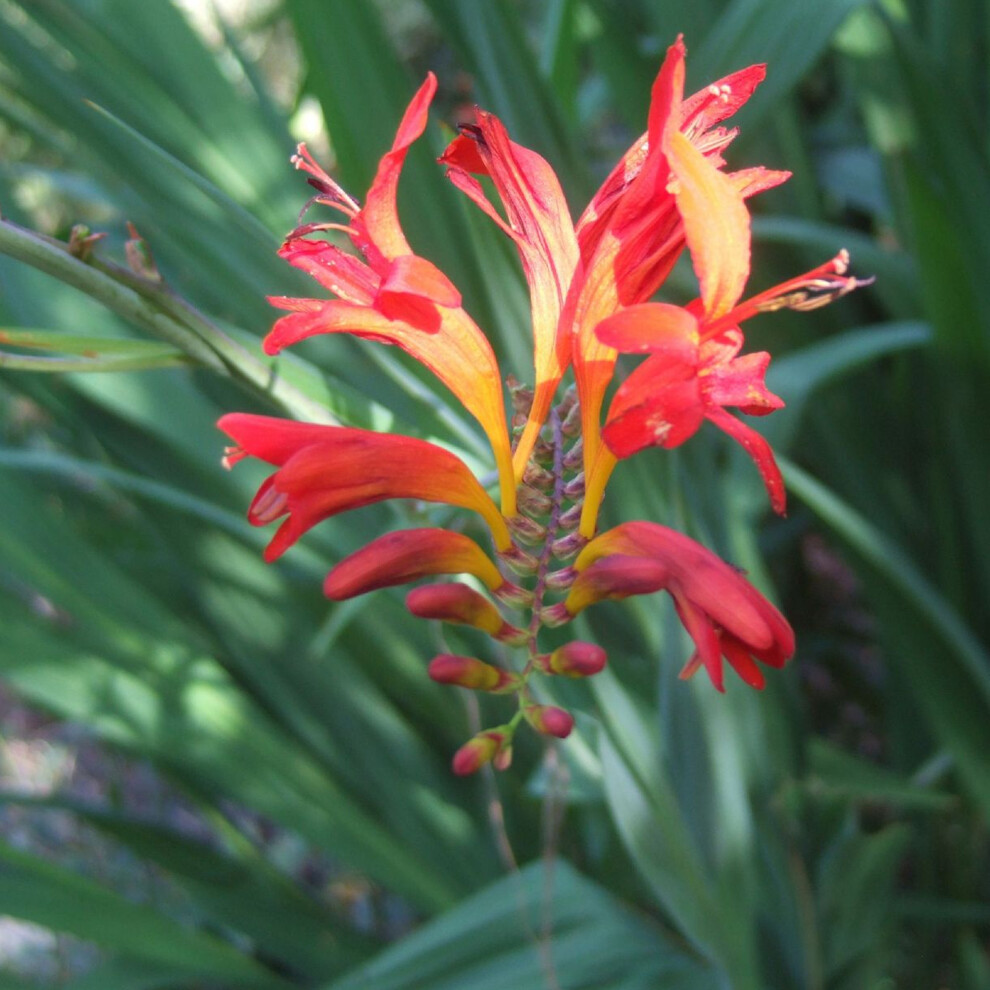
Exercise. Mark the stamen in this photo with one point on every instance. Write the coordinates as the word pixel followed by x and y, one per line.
pixel 811 290
pixel 321 181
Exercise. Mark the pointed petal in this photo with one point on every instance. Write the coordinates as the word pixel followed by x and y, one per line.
pixel 742 663
pixel 720 100
pixel 411 291
pixel 652 327
pixel 542 230
pixel 458 353
pixel 379 219
pixel 398 558
pixel 759 449
pixel 702 632
pixel 716 225
pixel 741 382
pixel 269 438
pixel 343 274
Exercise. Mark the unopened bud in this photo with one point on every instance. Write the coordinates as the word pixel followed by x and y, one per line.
pixel 478 751
pixel 571 518
pixel 513 596
pixel 458 603
pixel 559 580
pixel 538 477
pixel 574 489
pixel 533 502
pixel 574 458
pixel 568 546
pixel 543 452
pixel 467 672
pixel 503 758
pixel 520 395
pixel 571 426
pixel 555 615
pixel 576 659
pixel 519 561
pixel 526 530
pixel 549 720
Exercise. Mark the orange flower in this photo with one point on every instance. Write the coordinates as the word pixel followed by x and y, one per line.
pixel 392 295
pixel 324 470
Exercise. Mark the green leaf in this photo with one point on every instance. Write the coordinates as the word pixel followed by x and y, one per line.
pixel 48 895
pixel 526 926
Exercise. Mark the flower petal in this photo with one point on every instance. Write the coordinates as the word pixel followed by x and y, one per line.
pixel 652 328
pixel 544 234
pixel 411 291
pixel 702 576
pixel 378 221
pixel 335 469
pixel 458 353
pixel 741 383
pixel 716 225
pixel 759 449
pixel 397 558
pixel 702 632
pixel 344 275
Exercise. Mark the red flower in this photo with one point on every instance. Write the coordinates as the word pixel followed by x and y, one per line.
pixel 722 612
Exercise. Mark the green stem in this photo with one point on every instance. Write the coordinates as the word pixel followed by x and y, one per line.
pixel 154 308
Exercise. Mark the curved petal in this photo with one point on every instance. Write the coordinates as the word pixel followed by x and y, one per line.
pixel 652 328
pixel 703 577
pixel 341 273
pixel 708 650
pixel 326 470
pixel 458 353
pixel 716 224
pixel 460 604
pixel 544 235
pixel 759 449
pixel 397 558
pixel 378 221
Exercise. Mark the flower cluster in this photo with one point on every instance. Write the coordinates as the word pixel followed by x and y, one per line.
pixel 590 286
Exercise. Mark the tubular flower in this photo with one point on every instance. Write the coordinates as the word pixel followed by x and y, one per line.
pixel 591 285
pixel 721 611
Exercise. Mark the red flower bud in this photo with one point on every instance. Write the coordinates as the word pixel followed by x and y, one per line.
pixel 549 720
pixel 458 603
pixel 448 668
pixel 476 752
pixel 576 659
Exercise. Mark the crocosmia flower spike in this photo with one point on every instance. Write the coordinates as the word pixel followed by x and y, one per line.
pixel 534 555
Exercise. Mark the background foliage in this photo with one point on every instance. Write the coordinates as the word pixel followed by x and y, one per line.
pixel 829 833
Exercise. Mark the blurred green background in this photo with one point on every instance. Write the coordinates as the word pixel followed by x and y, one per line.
pixel 214 778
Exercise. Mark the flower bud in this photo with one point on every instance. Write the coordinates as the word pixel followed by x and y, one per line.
pixel 478 751
pixel 522 563
pixel 574 489
pixel 568 546
pixel 549 720
pixel 555 615
pixel 458 603
pixel 570 518
pixel 559 580
pixel 577 659
pixel 448 668
pixel 574 458
pixel 527 531
pixel 533 502
pixel 538 477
